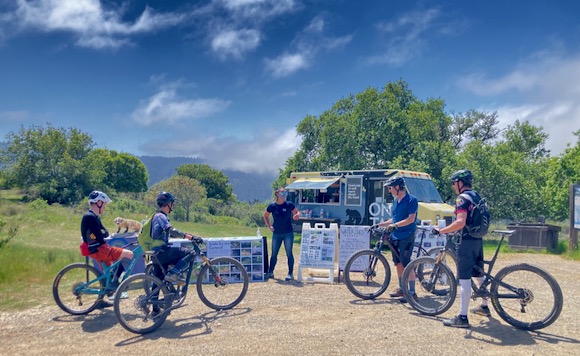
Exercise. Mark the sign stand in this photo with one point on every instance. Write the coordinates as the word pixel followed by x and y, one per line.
pixel 318 250
pixel 353 238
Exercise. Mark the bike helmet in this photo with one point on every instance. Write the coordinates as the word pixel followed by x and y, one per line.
pixel 164 198
pixel 395 182
pixel 97 196
pixel 463 175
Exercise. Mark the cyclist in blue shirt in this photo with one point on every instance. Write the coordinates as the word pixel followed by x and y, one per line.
pixel 402 226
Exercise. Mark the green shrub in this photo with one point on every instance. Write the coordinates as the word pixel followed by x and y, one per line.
pixel 229 220
pixel 38 204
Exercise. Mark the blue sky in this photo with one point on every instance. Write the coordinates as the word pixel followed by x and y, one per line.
pixel 229 80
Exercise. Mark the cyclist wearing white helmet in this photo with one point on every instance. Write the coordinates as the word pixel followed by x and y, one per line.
pixel 94 233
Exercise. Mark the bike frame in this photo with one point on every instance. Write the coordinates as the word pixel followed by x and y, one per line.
pixel 108 272
pixel 482 291
pixel 386 239
pixel 183 293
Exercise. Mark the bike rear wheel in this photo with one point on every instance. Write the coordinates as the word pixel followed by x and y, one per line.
pixel 71 285
pixel 435 286
pixel 367 274
pixel 530 300
pixel 223 284
pixel 139 311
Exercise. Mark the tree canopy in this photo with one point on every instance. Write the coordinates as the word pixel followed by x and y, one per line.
pixel 214 181
pixel 391 128
pixel 188 193
pixel 61 165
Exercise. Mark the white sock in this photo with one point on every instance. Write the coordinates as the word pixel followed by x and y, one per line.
pixel 480 281
pixel 464 296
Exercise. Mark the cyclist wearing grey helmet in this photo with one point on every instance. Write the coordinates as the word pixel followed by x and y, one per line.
pixel 161 229
pixel 402 226
pixel 469 249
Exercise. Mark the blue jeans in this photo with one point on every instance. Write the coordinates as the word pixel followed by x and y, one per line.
pixel 276 244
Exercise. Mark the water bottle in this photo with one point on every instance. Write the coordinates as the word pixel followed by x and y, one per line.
pixel 321 212
pixel 258 233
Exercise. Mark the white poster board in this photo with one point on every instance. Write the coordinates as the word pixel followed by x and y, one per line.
pixel 318 250
pixel 352 238
pixel 318 247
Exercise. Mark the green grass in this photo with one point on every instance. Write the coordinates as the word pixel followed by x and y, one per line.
pixel 26 274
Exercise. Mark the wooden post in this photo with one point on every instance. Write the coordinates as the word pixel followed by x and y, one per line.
pixel 573 244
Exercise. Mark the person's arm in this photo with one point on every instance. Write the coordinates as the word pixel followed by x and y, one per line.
pixel 408 221
pixel 267 220
pixel 385 223
pixel 295 214
pixel 458 224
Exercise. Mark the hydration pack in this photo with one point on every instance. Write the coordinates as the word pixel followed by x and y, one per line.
pixel 145 239
pixel 479 218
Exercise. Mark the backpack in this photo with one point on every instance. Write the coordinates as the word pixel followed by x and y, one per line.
pixel 145 239
pixel 479 218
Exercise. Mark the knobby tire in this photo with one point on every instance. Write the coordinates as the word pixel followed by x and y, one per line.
pixel 367 274
pixel 539 303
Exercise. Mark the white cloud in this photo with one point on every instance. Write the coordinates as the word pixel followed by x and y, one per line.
pixel 306 45
pixel 558 119
pixel 258 10
pixel 286 64
pixel 167 107
pixel 478 84
pixel 234 27
pixel 13 117
pixel 405 36
pixel 543 90
pixel 94 26
pixel 233 153
pixel 235 43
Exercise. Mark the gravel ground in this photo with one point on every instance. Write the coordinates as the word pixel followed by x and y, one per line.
pixel 293 318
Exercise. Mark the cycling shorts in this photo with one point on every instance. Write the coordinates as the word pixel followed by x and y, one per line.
pixel 107 254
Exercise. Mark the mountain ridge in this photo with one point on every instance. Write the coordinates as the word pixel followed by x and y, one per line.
pixel 248 187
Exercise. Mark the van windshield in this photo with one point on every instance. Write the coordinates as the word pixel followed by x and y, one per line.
pixel 423 189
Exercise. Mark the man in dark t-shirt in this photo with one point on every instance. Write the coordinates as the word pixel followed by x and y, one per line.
pixel 282 212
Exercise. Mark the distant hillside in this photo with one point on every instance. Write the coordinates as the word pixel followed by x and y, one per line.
pixel 246 186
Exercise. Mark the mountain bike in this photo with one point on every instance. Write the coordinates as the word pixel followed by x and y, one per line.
pixel 367 273
pixel 222 283
pixel 79 288
pixel 524 295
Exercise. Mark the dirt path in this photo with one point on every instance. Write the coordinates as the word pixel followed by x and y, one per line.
pixel 292 318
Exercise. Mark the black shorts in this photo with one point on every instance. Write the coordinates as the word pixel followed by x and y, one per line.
pixel 405 249
pixel 469 254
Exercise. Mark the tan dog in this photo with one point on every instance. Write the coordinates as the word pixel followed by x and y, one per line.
pixel 128 224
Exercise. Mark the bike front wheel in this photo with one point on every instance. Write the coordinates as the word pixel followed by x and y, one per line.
pixel 450 257
pixel 77 288
pixel 142 303
pixel 526 296
pixel 435 286
pixel 223 284
pixel 367 274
